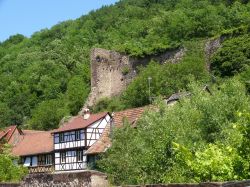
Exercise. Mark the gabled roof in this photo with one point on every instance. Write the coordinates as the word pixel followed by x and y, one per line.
pixel 7 132
pixel 33 143
pixel 78 122
pixel 104 142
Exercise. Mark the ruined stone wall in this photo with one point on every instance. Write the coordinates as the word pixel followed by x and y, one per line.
pixel 211 47
pixel 9 184
pixel 111 72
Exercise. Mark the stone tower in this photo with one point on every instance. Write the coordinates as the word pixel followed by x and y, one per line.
pixel 111 72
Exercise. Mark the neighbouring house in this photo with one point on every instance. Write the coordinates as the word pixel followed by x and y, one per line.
pixel 11 135
pixel 131 116
pixel 176 97
pixel 75 145
pixel 35 150
pixel 74 138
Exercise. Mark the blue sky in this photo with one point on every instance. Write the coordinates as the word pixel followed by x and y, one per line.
pixel 28 16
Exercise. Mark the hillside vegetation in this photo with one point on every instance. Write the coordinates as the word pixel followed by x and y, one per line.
pixel 47 76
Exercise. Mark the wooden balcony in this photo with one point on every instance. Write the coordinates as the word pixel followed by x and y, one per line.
pixel 41 169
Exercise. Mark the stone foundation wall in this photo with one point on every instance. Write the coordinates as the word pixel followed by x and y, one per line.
pixel 111 72
pixel 69 179
pixel 9 184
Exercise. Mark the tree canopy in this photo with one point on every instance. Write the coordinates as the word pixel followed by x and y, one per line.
pixel 9 169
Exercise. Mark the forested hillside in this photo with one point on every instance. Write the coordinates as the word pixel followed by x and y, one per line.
pixel 46 77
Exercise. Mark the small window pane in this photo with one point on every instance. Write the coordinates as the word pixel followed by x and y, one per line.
pixel 48 159
pixel 78 137
pixel 63 157
pixel 79 156
pixel 61 137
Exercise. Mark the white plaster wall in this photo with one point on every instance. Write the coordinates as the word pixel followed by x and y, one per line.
pixel 72 144
pixel 68 165
pixel 91 132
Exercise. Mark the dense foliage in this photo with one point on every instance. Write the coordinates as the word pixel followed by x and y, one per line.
pixel 233 59
pixel 52 67
pixel 9 170
pixel 204 137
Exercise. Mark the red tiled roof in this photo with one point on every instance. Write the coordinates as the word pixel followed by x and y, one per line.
pixel 78 122
pixel 132 115
pixel 7 132
pixel 30 131
pixel 34 143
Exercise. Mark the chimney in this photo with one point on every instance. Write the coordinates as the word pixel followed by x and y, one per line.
pixel 86 113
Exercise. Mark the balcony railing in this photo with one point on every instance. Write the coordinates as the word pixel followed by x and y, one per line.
pixel 41 169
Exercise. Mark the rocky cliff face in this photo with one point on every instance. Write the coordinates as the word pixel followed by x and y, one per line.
pixel 111 72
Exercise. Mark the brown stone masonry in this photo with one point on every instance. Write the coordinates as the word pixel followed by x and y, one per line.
pixel 69 179
pixel 111 72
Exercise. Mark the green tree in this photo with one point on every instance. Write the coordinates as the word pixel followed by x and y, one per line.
pixel 233 58
pixel 9 170
pixel 48 114
pixel 77 92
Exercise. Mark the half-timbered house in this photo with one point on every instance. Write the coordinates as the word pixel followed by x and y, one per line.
pixel 75 137
pixel 73 146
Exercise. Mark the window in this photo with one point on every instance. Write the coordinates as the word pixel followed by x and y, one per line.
pixel 44 160
pixel 48 159
pixel 78 135
pixel 63 157
pixel 41 160
pixel 61 137
pixel 79 156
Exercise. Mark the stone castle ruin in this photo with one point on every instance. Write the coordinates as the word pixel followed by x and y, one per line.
pixel 111 72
